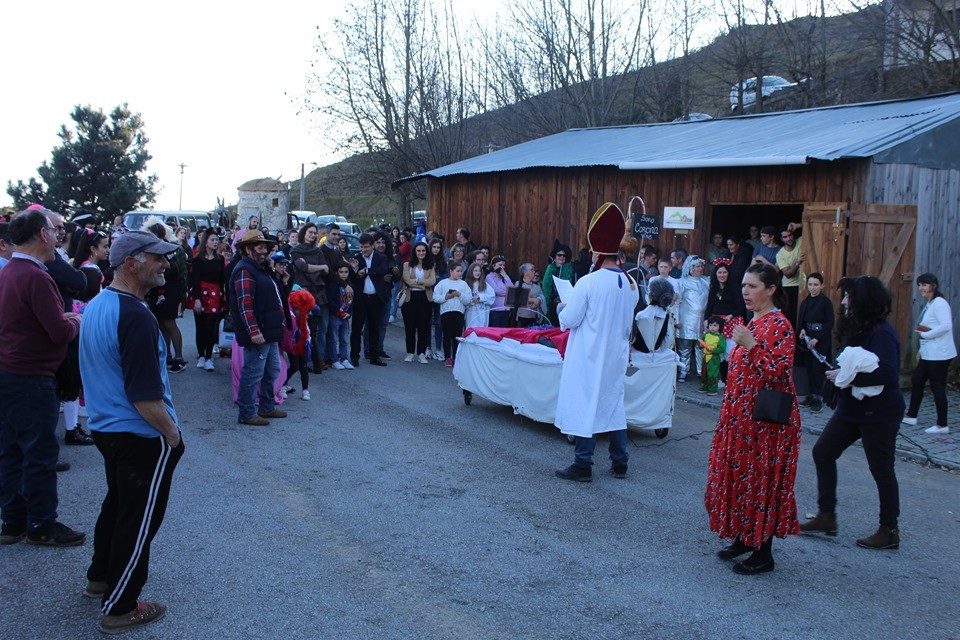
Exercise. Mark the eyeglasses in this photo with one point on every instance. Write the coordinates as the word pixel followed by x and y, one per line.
pixel 561 255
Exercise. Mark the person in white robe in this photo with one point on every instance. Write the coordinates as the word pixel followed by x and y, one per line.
pixel 599 315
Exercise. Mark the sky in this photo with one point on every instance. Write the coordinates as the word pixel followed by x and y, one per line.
pixel 218 84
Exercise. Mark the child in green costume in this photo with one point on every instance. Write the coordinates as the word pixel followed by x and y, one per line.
pixel 714 345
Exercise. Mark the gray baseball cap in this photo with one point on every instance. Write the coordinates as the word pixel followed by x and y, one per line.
pixel 133 242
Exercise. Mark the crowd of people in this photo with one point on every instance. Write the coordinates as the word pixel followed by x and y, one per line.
pixel 85 313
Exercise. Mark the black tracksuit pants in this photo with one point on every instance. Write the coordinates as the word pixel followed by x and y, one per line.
pixel 139 474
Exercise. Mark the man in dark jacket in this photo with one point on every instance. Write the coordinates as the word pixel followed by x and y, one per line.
pixel 257 313
pixel 371 293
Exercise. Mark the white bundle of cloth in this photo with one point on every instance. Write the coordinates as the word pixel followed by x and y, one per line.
pixel 854 360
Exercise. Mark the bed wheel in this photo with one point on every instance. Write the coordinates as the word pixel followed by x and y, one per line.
pixel 467 397
pixel 661 433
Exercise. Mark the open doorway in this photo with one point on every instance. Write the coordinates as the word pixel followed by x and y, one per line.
pixel 736 219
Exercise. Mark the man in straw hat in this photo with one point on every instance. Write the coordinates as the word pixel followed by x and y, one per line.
pixel 257 312
pixel 599 313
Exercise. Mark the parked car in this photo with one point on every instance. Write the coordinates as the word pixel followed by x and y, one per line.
pixel 771 84
pixel 353 242
pixel 418 218
pixel 193 220
pixel 298 218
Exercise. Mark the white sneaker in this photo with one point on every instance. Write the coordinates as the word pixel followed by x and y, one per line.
pixel 910 421
pixel 346 364
pixel 201 363
pixel 339 367
pixel 286 389
pixel 409 357
pixel 208 365
pixel 305 395
pixel 937 429
pixel 283 394
pixel 392 319
pixel 429 352
pixel 423 358
pixel 438 356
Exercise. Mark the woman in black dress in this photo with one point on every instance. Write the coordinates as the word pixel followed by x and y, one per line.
pixel 725 300
pixel 208 281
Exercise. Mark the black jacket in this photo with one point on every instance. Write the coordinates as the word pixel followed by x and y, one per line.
pixel 379 267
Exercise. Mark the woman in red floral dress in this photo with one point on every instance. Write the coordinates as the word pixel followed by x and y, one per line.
pixel 753 464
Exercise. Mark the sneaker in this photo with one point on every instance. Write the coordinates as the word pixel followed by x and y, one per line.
pixel 11 533
pixel 144 613
pixel 283 394
pixel 208 365
pixel 429 352
pixel 287 389
pixel 619 471
pixel 338 366
pixel 438 356
pixel 575 473
pixel 275 413
pixel 255 421
pixel 422 358
pixel 177 366
pixel 305 395
pixel 884 538
pixel 385 356
pixel 682 378
pixel 77 436
pixel 55 534
pixel 935 429
pixel 347 364
pixel 448 362
pixel 62 466
pixel 909 421
pixel 409 358
pixel 711 393
pixel 95 589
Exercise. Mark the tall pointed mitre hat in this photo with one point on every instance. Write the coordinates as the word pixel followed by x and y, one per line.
pixel 607 228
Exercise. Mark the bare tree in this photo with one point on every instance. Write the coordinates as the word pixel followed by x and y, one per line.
pixel 396 82
pixel 558 64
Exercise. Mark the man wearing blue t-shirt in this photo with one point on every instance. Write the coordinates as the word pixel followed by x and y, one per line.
pixel 767 252
pixel 134 425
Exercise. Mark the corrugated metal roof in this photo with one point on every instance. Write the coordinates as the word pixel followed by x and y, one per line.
pixel 790 137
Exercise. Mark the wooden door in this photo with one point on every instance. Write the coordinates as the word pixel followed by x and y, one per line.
pixel 882 243
pixel 825 245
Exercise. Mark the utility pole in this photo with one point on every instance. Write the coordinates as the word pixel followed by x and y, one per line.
pixel 303 192
pixel 182 166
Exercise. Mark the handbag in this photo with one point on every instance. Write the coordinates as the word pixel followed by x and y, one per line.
pixel 401 297
pixel 773 406
pixel 288 340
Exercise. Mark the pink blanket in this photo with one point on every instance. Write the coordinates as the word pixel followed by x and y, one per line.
pixel 526 336
pixel 236 365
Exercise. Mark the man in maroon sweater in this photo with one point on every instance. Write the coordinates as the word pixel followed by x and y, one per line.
pixel 34 333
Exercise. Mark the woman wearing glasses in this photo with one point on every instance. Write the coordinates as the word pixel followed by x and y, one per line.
pixel 499 281
pixel 560 267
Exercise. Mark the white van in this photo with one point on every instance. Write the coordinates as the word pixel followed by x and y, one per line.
pixel 193 220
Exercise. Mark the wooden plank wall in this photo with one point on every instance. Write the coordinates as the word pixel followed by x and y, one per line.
pixel 936 192
pixel 520 213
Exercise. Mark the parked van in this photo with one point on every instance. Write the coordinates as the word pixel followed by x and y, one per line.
pixel 193 220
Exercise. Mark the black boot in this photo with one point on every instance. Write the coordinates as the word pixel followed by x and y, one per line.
pixel 735 550
pixel 760 561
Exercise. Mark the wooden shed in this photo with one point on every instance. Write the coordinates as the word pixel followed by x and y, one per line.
pixel 877 186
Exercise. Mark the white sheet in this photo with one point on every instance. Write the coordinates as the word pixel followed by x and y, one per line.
pixel 527 378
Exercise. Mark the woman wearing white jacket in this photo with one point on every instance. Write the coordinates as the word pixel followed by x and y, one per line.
pixel 937 349
pixel 692 300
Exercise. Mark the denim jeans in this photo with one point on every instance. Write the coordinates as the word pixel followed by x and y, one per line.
pixel 340 338
pixel 583 453
pixel 28 450
pixel 320 327
pixel 261 366
pixel 437 328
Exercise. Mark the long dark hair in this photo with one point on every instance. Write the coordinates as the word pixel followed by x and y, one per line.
pixel 929 278
pixel 770 277
pixel 868 304
pixel 427 259
pixel 88 240
pixel 439 260
pixel 302 232
pixel 715 287
pixel 202 249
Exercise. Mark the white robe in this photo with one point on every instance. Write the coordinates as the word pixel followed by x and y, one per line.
pixel 599 316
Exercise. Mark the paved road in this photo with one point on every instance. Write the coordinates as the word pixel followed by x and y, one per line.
pixel 385 508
